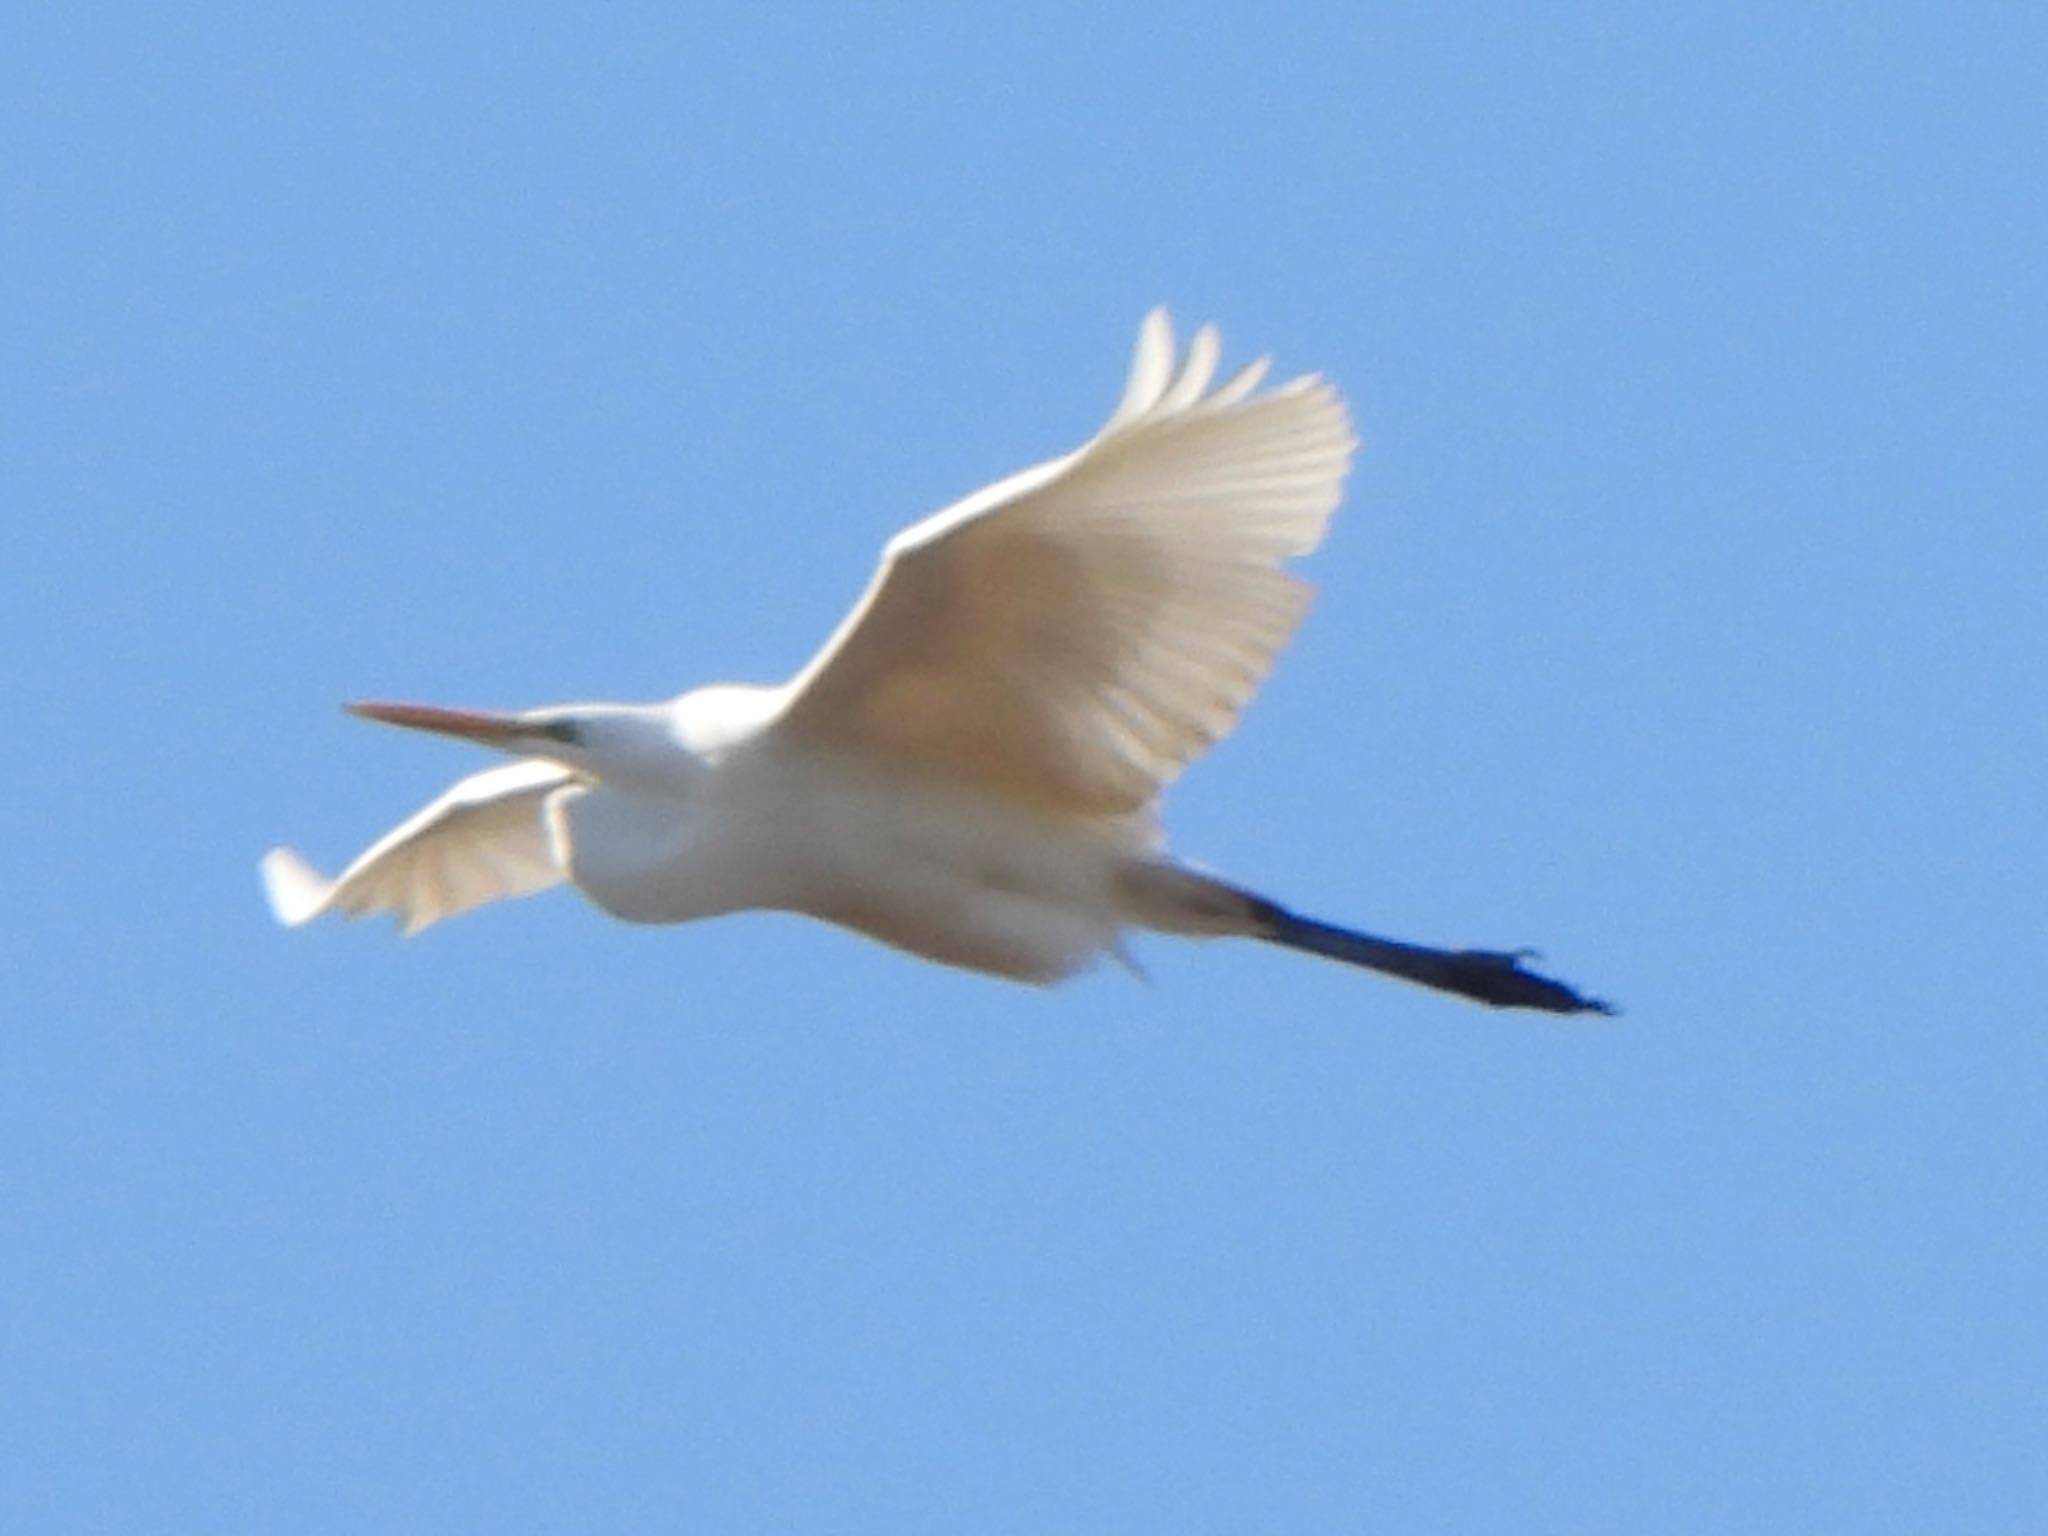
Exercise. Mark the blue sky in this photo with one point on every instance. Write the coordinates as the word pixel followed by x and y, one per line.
pixel 1683 619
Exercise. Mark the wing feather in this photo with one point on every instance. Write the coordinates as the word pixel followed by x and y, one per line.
pixel 486 839
pixel 1074 635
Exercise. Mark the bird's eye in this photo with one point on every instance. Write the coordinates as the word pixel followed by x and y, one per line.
pixel 567 732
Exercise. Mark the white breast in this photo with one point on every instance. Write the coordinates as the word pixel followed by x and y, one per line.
pixel 955 878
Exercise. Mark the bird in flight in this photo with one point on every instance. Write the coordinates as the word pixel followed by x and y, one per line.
pixel 970 769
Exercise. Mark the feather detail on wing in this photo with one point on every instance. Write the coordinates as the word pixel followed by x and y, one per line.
pixel 486 839
pixel 1073 636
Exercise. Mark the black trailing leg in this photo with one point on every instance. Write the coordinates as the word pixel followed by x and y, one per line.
pixel 1488 976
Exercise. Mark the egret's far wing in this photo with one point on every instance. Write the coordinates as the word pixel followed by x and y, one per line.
pixel 1076 634
pixel 485 839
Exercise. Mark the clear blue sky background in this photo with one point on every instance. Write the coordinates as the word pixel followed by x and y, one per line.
pixel 1684 619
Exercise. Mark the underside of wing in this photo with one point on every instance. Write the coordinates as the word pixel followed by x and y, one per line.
pixel 1075 635
pixel 486 839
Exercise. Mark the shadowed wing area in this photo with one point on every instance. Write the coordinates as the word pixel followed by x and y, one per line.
pixel 483 840
pixel 1073 636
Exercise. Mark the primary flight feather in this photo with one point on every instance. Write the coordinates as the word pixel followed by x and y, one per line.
pixel 970 768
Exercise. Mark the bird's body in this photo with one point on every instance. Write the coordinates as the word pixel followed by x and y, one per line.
pixel 753 823
pixel 970 768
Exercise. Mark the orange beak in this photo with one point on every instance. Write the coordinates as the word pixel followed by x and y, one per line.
pixel 468 724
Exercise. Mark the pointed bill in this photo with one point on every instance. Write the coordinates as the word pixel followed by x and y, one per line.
pixel 493 730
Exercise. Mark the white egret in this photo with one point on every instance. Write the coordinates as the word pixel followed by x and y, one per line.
pixel 970 769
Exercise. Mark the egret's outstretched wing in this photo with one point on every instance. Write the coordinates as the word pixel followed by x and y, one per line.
pixel 1074 635
pixel 485 839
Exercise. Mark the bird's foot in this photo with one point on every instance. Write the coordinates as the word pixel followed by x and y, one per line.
pixel 1496 976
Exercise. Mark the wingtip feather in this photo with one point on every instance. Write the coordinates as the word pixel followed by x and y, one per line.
pixel 1151 367
pixel 297 892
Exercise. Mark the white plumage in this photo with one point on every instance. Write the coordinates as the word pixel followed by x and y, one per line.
pixel 1074 635
pixel 486 838
pixel 969 769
